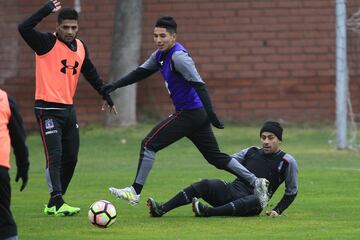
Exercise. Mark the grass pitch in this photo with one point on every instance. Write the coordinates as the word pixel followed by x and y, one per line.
pixel 327 206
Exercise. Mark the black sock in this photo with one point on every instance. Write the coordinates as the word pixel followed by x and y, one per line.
pixel 138 187
pixel 56 200
pixel 182 198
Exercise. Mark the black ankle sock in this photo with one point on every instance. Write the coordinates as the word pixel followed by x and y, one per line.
pixel 56 200
pixel 182 198
pixel 178 200
pixel 137 187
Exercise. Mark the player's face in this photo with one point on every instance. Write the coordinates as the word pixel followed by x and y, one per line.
pixel 270 142
pixel 163 39
pixel 67 30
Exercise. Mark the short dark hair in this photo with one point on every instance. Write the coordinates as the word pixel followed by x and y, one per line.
pixel 168 23
pixel 67 14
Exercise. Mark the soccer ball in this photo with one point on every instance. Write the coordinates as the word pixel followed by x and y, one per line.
pixel 102 214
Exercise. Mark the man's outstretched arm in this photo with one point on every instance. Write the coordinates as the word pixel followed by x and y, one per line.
pixel 40 42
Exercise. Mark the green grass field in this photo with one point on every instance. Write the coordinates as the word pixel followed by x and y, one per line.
pixel 327 206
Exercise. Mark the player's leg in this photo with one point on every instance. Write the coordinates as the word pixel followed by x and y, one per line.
pixel 50 125
pixel 168 131
pixel 180 199
pixel 70 150
pixel 204 139
pixel 8 228
pixel 245 206
pixel 214 191
pixel 240 201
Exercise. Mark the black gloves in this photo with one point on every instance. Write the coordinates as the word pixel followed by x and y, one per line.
pixel 201 90
pixel 105 91
pixel 108 99
pixel 215 121
pixel 23 174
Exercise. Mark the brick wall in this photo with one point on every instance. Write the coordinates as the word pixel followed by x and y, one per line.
pixel 261 59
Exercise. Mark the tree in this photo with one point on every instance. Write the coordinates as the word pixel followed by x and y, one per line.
pixel 126 46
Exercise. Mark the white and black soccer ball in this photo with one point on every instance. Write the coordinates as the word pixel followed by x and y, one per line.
pixel 102 213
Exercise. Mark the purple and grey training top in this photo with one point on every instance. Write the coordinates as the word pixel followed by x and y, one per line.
pixel 178 70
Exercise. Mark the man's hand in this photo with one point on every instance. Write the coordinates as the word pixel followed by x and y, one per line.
pixel 57 5
pixel 23 174
pixel 111 109
pixel 272 213
pixel 107 89
pixel 215 121
pixel 108 103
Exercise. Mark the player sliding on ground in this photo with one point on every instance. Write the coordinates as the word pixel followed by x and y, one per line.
pixel 192 118
pixel 237 198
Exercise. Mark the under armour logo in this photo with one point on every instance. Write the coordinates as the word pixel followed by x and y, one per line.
pixel 161 63
pixel 63 69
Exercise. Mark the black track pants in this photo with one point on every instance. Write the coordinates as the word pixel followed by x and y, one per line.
pixel 227 200
pixel 192 124
pixel 7 224
pixel 60 135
